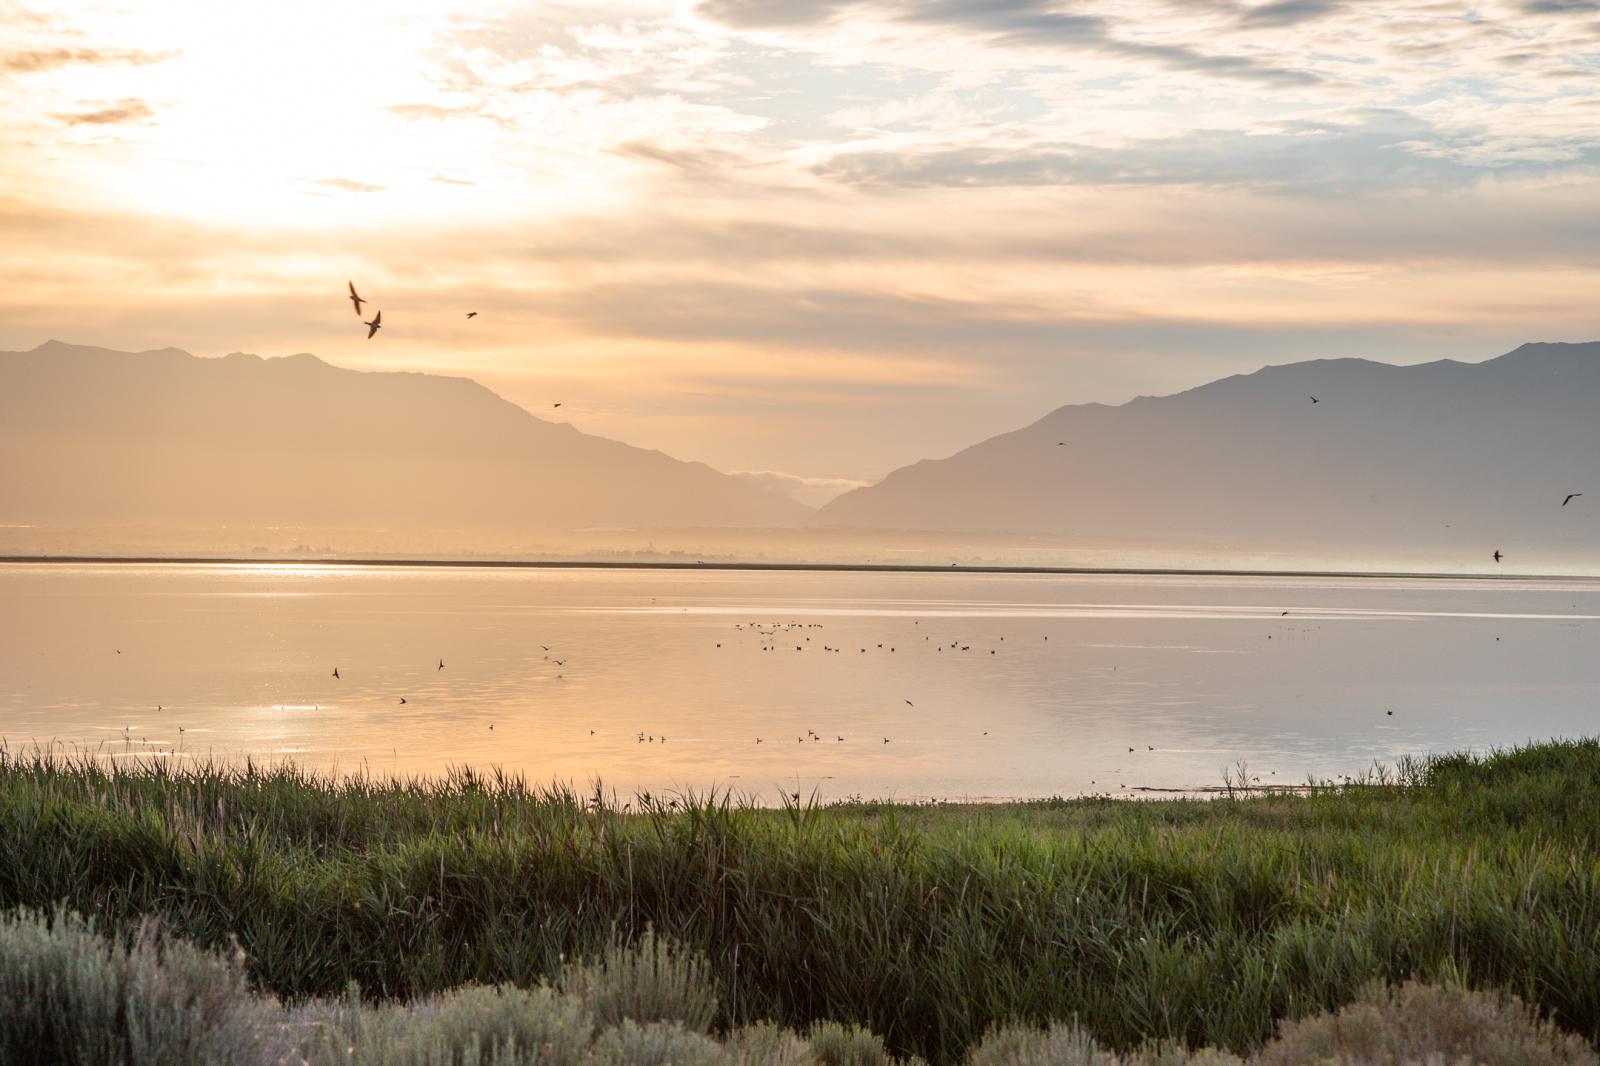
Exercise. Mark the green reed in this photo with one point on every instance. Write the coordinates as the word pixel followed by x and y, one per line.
pixel 1203 922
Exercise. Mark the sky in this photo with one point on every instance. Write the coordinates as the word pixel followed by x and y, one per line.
pixel 808 241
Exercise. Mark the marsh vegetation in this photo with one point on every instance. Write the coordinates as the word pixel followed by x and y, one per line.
pixel 1182 923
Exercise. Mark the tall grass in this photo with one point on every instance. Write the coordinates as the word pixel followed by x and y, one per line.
pixel 1201 923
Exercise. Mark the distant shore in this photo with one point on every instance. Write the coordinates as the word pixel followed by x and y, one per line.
pixel 868 568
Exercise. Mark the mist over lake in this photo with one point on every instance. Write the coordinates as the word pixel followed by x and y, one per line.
pixel 1018 686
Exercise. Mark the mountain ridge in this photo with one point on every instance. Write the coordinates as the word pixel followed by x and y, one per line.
pixel 93 434
pixel 1388 454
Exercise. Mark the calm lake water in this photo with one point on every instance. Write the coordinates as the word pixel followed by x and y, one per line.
pixel 986 686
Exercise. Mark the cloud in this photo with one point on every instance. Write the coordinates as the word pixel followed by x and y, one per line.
pixel 811 491
pixel 769 14
pixel 1367 150
pixel 1036 24
pixel 29 61
pixel 123 111
pixel 347 185
pixel 1288 12
pixel 1033 25
pixel 696 163
pixel 417 112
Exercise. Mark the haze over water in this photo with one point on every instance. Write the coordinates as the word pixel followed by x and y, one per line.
pixel 1019 685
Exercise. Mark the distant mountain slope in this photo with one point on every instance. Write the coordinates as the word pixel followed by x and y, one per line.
pixel 1444 451
pixel 91 435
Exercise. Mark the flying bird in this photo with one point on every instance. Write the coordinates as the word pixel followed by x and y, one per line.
pixel 1315 400
pixel 402 699
pixel 336 673
pixel 554 405
pixel 910 704
pixel 1497 555
pixel 375 325
pixel 355 299
pixel 441 664
pixel 472 314
pixel 1570 497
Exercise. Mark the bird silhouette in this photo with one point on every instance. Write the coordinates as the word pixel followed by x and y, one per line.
pixel 554 405
pixel 472 314
pixel 375 325
pixel 355 299
pixel 441 664
pixel 335 673
pixel 402 699
pixel 910 704
pixel 1570 497
pixel 1497 555
pixel 1315 400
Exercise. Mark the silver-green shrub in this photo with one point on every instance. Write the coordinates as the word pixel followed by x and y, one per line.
pixel 653 980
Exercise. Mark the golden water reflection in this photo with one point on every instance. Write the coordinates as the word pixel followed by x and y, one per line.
pixel 985 686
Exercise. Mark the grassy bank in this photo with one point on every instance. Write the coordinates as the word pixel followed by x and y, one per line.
pixel 1201 922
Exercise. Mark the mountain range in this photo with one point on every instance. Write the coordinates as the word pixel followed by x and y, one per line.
pixel 1342 453
pixel 89 435
pixel 1330 452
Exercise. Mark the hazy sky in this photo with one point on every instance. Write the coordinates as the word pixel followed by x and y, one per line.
pixel 822 239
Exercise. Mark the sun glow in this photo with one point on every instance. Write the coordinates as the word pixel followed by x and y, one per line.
pixel 308 116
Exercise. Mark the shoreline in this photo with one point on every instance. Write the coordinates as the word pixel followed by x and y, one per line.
pixel 775 567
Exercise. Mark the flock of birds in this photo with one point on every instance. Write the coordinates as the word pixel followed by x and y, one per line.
pixel 806 637
pixel 377 323
pixel 770 632
pixel 356 299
